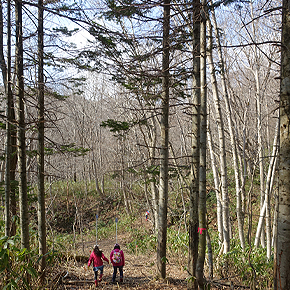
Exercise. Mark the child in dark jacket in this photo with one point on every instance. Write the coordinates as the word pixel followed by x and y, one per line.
pixel 118 262
pixel 97 258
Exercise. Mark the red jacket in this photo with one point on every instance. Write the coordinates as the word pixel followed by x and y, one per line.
pixel 97 261
pixel 122 263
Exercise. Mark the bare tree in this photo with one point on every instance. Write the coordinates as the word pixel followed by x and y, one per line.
pixel 6 73
pixel 40 153
pixel 265 209
pixel 222 152
pixel 282 255
pixel 195 151
pixel 230 124
pixel 21 140
pixel 203 142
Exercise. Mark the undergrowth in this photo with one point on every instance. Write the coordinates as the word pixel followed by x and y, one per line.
pixel 249 266
pixel 19 267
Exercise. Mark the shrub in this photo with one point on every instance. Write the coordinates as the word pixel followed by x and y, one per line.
pixel 17 268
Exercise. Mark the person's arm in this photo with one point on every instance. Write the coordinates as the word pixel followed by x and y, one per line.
pixel 104 258
pixel 111 257
pixel 90 260
pixel 123 258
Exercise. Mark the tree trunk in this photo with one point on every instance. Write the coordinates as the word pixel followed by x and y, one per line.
pixel 10 128
pixel 282 255
pixel 21 146
pixel 149 205
pixel 203 141
pixel 239 207
pixel 195 151
pixel 210 256
pixel 6 76
pixel 259 126
pixel 222 152
pixel 163 186
pixel 13 162
pixel 265 210
pixel 217 187
pixel 40 153
pixel 13 149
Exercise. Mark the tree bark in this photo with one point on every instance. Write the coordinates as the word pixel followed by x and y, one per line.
pixel 10 128
pixel 265 210
pixel 40 153
pixel 13 132
pixel 222 152
pixel 217 186
pixel 5 75
pixel 256 73
pixel 282 255
pixel 164 152
pixel 203 142
pixel 21 146
pixel 195 151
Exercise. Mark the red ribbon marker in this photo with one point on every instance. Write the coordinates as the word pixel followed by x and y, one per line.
pixel 200 230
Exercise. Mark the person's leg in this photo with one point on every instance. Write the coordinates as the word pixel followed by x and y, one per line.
pixel 121 273
pixel 114 273
pixel 96 273
pixel 96 276
pixel 101 273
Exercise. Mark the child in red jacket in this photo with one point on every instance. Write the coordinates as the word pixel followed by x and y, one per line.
pixel 118 262
pixel 97 258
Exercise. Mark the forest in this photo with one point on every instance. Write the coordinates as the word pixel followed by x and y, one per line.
pixel 161 126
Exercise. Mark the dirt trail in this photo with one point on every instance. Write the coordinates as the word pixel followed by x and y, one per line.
pixel 139 271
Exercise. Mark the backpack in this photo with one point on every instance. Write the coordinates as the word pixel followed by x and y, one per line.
pixel 117 258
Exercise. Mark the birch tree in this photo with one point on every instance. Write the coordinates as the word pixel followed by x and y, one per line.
pixel 222 153
pixel 239 211
pixel 256 72
pixel 216 179
pixel 282 255
pixel 265 209
pixel 203 141
pixel 195 151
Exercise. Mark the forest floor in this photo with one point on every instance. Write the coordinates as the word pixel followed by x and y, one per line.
pixel 139 271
